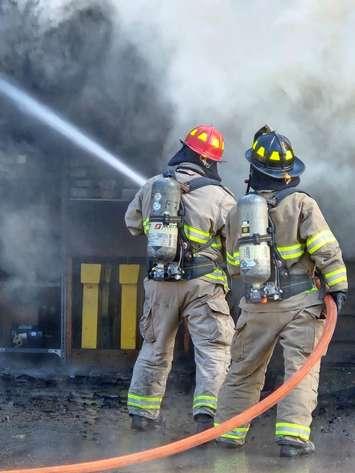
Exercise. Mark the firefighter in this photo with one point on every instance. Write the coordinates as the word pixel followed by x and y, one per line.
pixel 192 286
pixel 286 304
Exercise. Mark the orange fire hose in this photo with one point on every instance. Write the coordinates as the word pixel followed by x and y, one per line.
pixel 211 434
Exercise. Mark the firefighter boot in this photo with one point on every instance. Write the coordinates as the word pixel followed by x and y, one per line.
pixel 143 424
pixel 293 447
pixel 229 443
pixel 203 422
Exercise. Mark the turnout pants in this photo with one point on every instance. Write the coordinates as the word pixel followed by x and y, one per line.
pixel 204 307
pixel 257 333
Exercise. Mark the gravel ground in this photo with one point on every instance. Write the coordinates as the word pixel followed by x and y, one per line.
pixel 78 418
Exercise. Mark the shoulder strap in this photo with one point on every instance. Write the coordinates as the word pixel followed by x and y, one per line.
pixel 169 172
pixel 199 182
pixel 281 195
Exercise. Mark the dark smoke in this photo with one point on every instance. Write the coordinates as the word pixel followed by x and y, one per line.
pixel 83 66
pixel 79 62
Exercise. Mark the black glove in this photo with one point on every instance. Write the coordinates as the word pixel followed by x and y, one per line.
pixel 339 297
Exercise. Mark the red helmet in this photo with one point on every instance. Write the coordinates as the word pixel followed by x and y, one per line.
pixel 206 141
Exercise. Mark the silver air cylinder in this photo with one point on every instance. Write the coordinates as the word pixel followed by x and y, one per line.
pixel 164 217
pixel 255 257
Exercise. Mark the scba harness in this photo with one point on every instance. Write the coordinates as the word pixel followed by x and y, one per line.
pixel 263 268
pixel 171 256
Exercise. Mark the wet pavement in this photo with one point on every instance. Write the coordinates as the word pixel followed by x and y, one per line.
pixel 68 420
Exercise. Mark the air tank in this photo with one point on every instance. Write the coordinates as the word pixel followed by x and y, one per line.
pixel 254 250
pixel 164 219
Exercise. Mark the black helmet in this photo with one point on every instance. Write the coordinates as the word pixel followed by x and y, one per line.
pixel 272 154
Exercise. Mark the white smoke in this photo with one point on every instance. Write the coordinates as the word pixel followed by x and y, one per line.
pixel 241 64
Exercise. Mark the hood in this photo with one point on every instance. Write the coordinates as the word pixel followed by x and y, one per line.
pixel 186 155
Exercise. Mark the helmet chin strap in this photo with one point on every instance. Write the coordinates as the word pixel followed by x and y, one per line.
pixel 287 178
pixel 205 162
pixel 248 182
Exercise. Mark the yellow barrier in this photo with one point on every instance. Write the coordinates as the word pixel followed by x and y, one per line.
pixel 128 278
pixel 90 278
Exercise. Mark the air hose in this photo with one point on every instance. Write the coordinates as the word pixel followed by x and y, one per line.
pixel 210 434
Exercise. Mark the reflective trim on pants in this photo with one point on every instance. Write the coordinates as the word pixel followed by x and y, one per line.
pixel 144 402
pixel 233 258
pixel 218 276
pixel 204 400
pixel 238 434
pixel 288 429
pixel 216 244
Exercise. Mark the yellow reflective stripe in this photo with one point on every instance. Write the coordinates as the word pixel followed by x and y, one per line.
pixel 203 396
pixel 145 398
pixel 195 239
pixel 234 436
pixel 146 224
pixel 144 402
pixel 320 245
pixel 215 142
pixel 238 433
pixel 202 136
pixel 292 255
pixel 306 428
pixel 336 271
pixel 239 429
pixel 289 155
pixel 202 400
pixel 292 430
pixel 291 247
pixel 218 271
pixel 337 281
pixel 215 276
pixel 204 404
pixel 233 259
pixel 217 244
pixel 314 237
pixel 218 276
pixel 291 433
pixel 143 406
pixel 261 151
pixel 196 235
pixel 197 230
pixel 291 251
pixel 233 263
pixel 275 156
pixel 233 255
pixel 317 241
pixel 336 276
pixel 312 291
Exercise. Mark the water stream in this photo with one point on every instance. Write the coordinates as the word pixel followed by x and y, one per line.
pixel 47 116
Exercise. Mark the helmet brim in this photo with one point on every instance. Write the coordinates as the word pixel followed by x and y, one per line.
pixel 297 170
